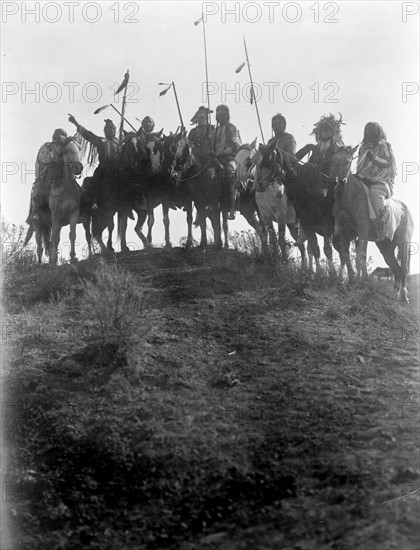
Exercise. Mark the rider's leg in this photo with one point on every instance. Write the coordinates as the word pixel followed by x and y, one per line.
pixel 379 192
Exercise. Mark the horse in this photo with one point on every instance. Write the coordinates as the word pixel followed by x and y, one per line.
pixel 352 223
pixel 245 172
pixel 63 203
pixel 205 185
pixel 174 196
pixel 272 202
pixel 312 194
pixel 86 215
pixel 151 167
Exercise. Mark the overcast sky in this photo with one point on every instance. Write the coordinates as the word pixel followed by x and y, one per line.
pixel 307 59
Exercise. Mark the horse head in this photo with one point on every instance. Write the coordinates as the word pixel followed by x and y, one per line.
pixel 68 164
pixel 182 159
pixel 340 164
pixel 155 151
pixel 268 167
pixel 245 167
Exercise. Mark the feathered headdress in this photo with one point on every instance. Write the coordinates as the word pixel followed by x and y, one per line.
pixel 331 122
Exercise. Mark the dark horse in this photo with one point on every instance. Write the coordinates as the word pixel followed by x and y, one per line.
pixel 312 194
pixel 149 170
pixel 352 223
pixel 205 185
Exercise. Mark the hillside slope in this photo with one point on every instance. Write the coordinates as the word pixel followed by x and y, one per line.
pixel 243 408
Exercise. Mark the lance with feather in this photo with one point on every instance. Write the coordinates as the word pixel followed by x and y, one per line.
pixel 253 98
pixel 201 20
pixel 117 111
pixel 123 86
pixel 163 92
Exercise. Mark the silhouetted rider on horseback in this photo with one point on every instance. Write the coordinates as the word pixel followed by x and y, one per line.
pixel 201 136
pixel 328 141
pixel 377 169
pixel 285 142
pixel 107 151
pixel 47 158
pixel 226 144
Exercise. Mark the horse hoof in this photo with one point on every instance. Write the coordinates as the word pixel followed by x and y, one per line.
pixel 403 296
pixel 125 249
pixel 74 260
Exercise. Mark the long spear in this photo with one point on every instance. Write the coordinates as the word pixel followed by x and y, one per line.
pixel 205 58
pixel 253 96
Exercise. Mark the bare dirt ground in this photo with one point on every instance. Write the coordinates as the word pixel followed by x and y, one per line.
pixel 254 409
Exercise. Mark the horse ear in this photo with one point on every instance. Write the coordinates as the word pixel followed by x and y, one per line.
pixel 354 150
pixel 253 144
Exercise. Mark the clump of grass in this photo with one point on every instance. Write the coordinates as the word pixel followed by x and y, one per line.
pixel 114 300
pixel 15 259
pixel 24 282
pixel 248 243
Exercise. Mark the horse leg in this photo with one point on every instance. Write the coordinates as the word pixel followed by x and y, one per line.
pixel 165 210
pixel 98 226
pixel 299 241
pixel 313 250
pixel 122 231
pixel 88 235
pixel 201 214
pixel 345 261
pixel 110 230
pixel 387 250
pixel 189 208
pixel 225 227
pixel 141 218
pixel 282 241
pixel 273 242
pixel 150 223
pixel 264 239
pixel 55 240
pixel 215 222
pixel 73 225
pixel 361 251
pixel 328 251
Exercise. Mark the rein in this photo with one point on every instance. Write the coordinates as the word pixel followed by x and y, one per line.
pixel 191 177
